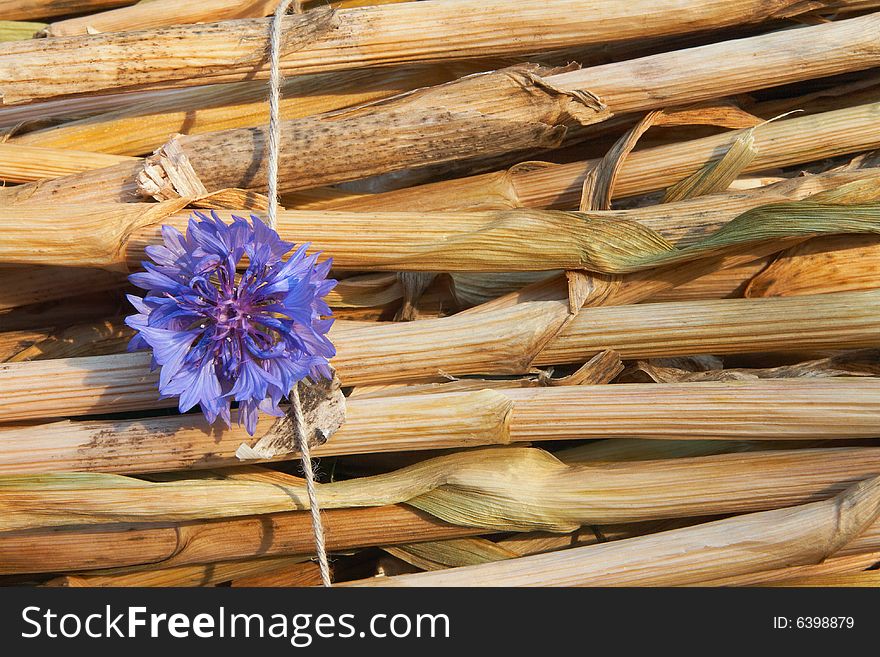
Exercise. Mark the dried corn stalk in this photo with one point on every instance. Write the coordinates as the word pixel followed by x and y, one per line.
pixel 142 127
pixel 500 489
pixel 820 409
pixel 172 545
pixel 195 575
pixel 827 264
pixel 20 9
pixel 484 114
pixel 160 13
pixel 22 286
pixel 28 163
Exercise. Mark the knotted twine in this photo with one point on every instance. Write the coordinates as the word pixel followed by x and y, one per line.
pixel 272 220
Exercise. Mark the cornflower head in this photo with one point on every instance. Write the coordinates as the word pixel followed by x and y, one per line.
pixel 220 335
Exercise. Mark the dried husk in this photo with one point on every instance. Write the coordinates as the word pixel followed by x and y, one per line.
pixel 18 30
pixel 849 363
pixel 727 283
pixel 717 175
pixel 437 555
pixel 600 181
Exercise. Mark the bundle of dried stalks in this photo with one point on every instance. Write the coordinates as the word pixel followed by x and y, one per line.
pixel 470 290
pixel 754 542
pixel 794 140
pixel 324 40
pixel 523 280
pixel 521 108
pixel 508 340
pixel 533 101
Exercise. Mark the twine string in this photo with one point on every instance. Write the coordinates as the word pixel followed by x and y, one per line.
pixel 295 402
pixel 275 107
pixel 314 507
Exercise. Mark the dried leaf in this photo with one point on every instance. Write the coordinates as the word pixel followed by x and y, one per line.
pixel 323 408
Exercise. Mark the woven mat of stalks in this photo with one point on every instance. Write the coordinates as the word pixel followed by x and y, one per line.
pixel 573 292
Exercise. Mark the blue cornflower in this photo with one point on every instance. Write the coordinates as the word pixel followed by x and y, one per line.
pixel 220 335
